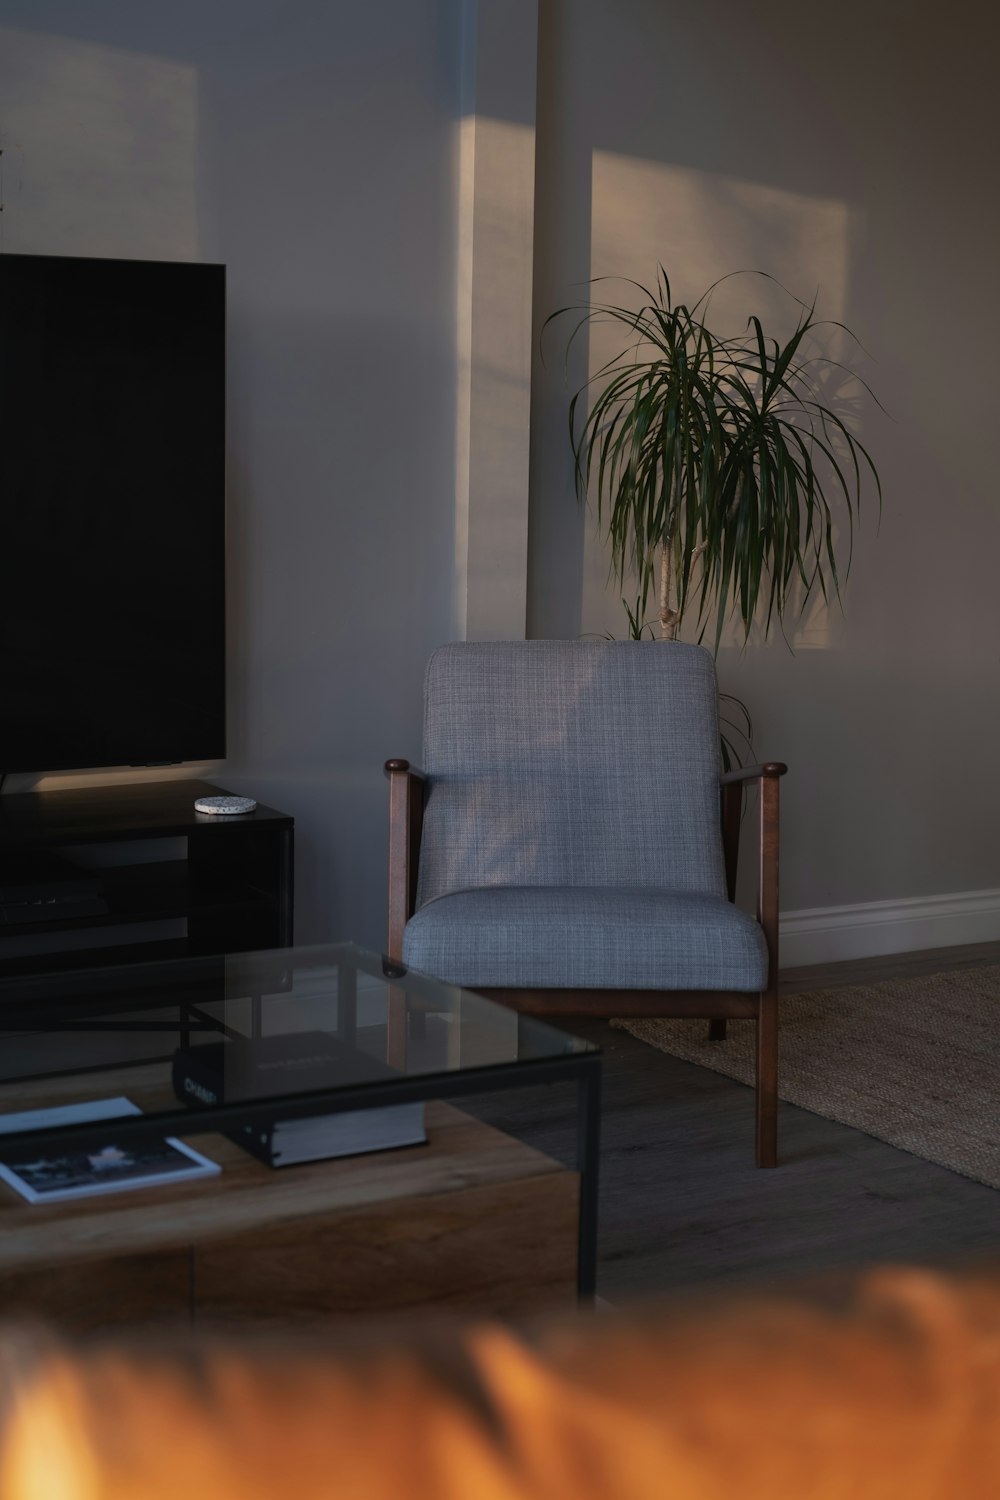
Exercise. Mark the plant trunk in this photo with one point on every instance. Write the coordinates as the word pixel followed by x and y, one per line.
pixel 669 617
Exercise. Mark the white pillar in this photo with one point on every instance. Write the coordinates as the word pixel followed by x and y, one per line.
pixel 496 174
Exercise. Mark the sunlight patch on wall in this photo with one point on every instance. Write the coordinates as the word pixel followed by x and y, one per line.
pixel 701 226
pixel 100 150
pixel 493 320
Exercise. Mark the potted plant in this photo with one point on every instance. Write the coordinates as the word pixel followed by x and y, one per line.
pixel 722 470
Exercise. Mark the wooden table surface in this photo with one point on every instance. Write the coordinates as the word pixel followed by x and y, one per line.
pixel 474 1218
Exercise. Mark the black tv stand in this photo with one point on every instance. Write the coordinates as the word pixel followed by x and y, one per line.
pixel 231 892
pixel 36 887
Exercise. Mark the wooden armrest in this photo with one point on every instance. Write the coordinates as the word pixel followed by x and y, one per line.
pixel 731 788
pixel 772 768
pixel 394 767
pixel 407 789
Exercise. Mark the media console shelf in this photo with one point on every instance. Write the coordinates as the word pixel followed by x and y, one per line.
pixel 232 891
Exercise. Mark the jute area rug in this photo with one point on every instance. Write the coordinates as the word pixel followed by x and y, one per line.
pixel 913 1061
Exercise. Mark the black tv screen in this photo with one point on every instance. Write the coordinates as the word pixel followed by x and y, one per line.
pixel 112 512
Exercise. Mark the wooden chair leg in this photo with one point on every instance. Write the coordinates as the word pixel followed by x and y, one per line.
pixel 767 1080
pixel 717 1030
pixel 396 1029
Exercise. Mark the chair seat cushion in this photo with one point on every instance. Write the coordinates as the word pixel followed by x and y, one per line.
pixel 556 937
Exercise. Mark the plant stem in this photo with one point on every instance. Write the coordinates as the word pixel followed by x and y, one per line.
pixel 669 617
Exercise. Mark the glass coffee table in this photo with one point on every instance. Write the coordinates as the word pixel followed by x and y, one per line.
pixel 363 1033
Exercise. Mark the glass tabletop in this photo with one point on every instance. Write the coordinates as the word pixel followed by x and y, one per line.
pixel 291 1031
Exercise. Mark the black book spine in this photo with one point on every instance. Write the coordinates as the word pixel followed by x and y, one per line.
pixel 196 1081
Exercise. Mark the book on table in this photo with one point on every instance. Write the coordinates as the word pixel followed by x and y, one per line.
pixel 255 1068
pixel 105 1165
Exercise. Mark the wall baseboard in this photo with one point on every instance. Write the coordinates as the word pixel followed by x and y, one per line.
pixel 826 934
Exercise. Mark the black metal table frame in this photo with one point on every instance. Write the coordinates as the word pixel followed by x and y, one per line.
pixel 583 1068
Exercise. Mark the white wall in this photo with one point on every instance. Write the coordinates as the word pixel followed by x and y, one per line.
pixel 315 147
pixel 312 147
pixel 849 148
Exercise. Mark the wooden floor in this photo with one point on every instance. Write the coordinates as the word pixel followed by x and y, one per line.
pixel 682 1204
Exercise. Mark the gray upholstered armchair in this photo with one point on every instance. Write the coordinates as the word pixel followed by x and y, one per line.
pixel 562 849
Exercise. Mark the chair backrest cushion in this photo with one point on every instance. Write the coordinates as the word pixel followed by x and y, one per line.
pixel 571 763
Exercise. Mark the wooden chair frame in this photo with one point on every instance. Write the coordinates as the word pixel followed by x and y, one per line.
pixel 407 791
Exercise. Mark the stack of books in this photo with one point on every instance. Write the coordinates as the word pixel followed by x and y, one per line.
pixel 256 1069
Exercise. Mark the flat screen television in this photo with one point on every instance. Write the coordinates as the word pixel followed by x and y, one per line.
pixel 112 512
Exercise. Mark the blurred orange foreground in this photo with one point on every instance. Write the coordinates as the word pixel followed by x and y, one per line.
pixel 886 1386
